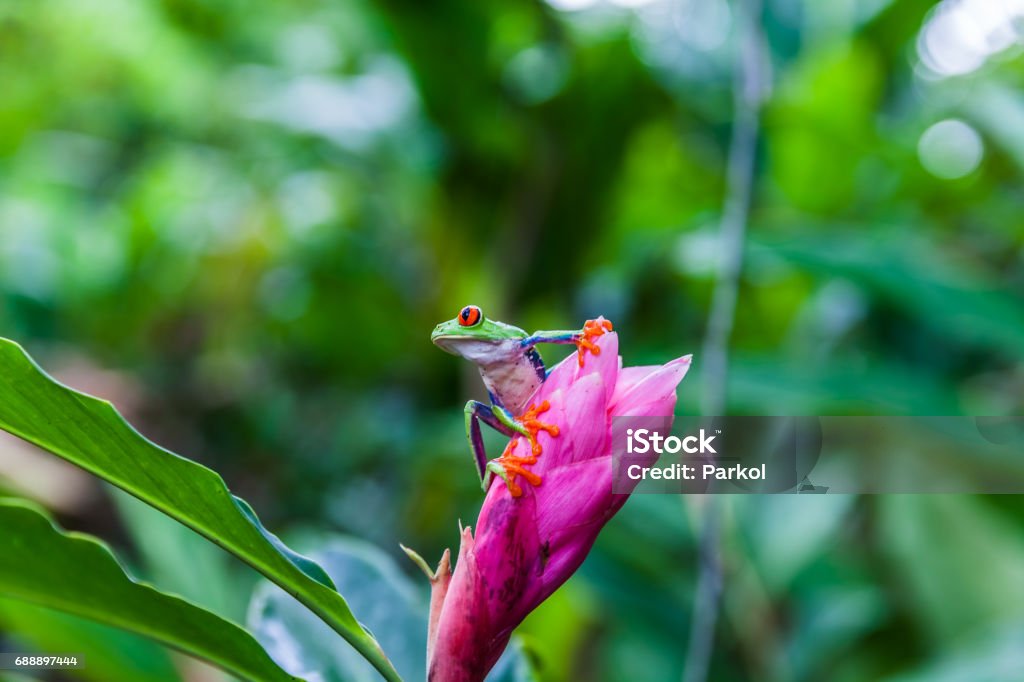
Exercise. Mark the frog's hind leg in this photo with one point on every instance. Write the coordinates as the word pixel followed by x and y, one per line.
pixel 476 412
pixel 508 466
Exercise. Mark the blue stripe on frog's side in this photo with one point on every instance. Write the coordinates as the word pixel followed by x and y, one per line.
pixel 538 363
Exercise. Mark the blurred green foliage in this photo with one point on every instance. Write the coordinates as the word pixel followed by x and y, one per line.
pixel 258 211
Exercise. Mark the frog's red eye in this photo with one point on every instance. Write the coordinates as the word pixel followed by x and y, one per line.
pixel 470 316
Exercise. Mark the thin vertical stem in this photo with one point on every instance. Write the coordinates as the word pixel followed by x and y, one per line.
pixel 750 86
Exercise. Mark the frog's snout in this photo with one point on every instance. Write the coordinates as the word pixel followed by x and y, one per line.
pixel 438 336
pixel 442 338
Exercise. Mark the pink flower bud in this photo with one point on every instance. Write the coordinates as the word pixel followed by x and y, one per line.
pixel 525 547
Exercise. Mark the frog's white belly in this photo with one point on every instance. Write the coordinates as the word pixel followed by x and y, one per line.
pixel 512 383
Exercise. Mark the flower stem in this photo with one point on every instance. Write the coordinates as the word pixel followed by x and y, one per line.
pixel 750 87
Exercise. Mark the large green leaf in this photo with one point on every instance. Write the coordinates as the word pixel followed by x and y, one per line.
pixel 91 434
pixel 183 562
pixel 76 573
pixel 114 654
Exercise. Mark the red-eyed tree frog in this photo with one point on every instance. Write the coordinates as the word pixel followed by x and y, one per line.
pixel 512 371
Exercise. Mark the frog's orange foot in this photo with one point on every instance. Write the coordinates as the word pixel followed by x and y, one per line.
pixel 529 421
pixel 591 330
pixel 512 465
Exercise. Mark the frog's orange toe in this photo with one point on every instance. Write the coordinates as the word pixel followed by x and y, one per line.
pixel 533 425
pixel 514 466
pixel 591 330
pixel 529 423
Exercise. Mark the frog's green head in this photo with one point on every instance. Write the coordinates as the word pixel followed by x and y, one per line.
pixel 476 338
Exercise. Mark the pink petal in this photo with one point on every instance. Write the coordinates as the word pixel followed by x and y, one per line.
pixel 438 591
pixel 554 449
pixel 561 377
pixel 572 495
pixel 574 544
pixel 586 418
pixel 630 376
pixel 460 651
pixel 655 391
pixel 508 551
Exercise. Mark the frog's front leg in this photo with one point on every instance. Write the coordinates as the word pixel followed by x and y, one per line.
pixel 583 338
